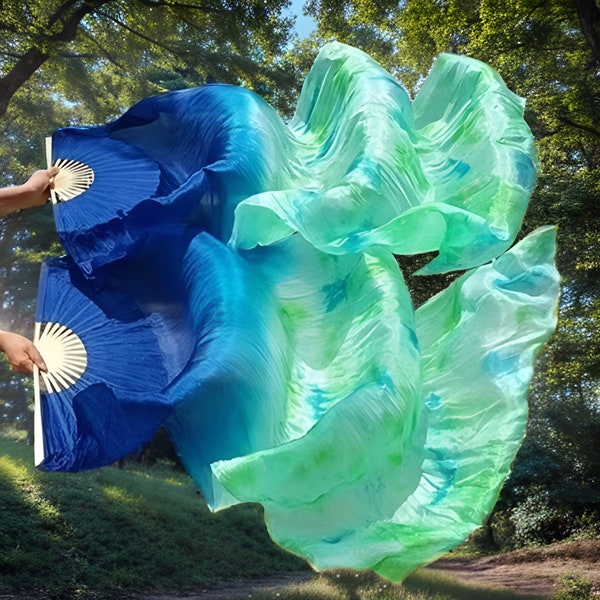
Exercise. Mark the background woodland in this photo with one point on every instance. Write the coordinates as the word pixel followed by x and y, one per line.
pixel 83 62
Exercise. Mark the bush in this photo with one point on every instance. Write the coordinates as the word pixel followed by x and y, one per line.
pixel 587 526
pixel 503 530
pixel 538 521
pixel 573 587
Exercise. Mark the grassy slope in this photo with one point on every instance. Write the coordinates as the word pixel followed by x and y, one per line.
pixel 113 529
pixel 115 533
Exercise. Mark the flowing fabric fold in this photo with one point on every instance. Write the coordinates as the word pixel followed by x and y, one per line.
pixel 184 157
pixel 117 404
pixel 370 501
pixel 283 352
pixel 479 338
pixel 450 172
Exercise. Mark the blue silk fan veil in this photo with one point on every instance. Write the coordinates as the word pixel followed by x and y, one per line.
pixel 232 278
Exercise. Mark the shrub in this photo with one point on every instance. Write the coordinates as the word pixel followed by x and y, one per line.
pixel 538 521
pixel 502 530
pixel 587 526
pixel 573 587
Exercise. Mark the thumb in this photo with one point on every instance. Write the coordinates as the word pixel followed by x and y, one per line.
pixel 37 359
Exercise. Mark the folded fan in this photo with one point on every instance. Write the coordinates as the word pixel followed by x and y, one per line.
pixel 73 178
pixel 101 397
pixel 66 356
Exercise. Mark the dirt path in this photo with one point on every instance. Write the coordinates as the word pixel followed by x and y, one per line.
pixel 531 571
pixel 234 589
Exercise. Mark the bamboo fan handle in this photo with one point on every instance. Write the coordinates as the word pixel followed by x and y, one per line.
pixel 73 178
pixel 49 163
pixel 38 435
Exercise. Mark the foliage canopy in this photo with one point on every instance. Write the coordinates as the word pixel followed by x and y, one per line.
pixel 547 53
pixel 77 62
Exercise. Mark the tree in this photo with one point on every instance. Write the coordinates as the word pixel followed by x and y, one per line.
pixel 78 62
pixel 548 54
pixel 117 43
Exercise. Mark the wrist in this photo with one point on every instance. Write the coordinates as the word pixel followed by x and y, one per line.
pixel 12 199
pixel 24 191
pixel 3 335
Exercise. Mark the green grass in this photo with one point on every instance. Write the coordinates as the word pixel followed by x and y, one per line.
pixel 352 585
pixel 112 532
pixel 62 534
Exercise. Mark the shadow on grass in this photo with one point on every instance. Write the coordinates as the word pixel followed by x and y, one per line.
pixel 446 586
pixel 111 531
pixel 365 585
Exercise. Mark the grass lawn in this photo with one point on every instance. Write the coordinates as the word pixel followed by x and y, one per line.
pixel 121 529
pixel 123 533
pixel 352 585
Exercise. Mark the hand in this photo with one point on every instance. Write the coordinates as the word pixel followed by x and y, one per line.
pixel 37 187
pixel 34 192
pixel 21 353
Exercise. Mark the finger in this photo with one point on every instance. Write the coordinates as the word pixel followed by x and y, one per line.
pixel 41 365
pixel 25 367
pixel 36 358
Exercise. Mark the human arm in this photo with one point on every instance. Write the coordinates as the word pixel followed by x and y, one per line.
pixel 21 353
pixel 34 192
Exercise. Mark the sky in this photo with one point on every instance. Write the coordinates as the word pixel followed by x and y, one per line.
pixel 304 25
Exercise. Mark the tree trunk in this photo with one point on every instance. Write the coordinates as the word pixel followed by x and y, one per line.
pixel 589 17
pixel 19 74
pixel 34 58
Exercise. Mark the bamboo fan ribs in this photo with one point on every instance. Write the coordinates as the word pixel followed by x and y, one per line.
pixel 73 178
pixel 64 354
pixel 66 360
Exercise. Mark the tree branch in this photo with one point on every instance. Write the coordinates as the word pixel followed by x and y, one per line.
pixel 36 56
pixel 61 12
pixel 104 51
pixel 589 18
pixel 19 74
pixel 202 7
pixel 139 34
pixel 588 128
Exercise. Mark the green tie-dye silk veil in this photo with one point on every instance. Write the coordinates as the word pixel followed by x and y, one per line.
pixel 296 371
